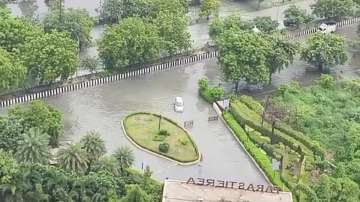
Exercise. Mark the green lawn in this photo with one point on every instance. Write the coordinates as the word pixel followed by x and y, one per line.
pixel 142 128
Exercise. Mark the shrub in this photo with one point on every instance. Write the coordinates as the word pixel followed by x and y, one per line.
pixel 203 83
pixel 164 133
pixel 183 141
pixel 217 92
pixel 258 154
pixel 252 103
pixel 159 138
pixel 164 147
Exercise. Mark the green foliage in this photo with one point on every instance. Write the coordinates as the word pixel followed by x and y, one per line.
pixel 107 163
pixel 164 133
pixel 135 194
pixel 334 9
pixel 11 132
pixel 89 63
pixel 233 22
pixel 210 94
pixel 324 50
pixel 77 22
pixel 172 29
pixel 209 7
pixel 183 141
pixel 266 24
pixel 243 56
pixel 8 168
pixel 164 147
pixel 252 103
pixel 258 154
pixel 73 158
pixel 295 16
pixel 50 56
pixel 33 148
pixel 120 45
pixel 42 116
pixel 124 156
pixel 327 81
pixel 16 32
pixel 93 145
pixel 12 72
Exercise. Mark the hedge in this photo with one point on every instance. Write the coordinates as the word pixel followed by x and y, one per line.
pixel 246 116
pixel 258 108
pixel 206 95
pixel 258 154
pixel 252 103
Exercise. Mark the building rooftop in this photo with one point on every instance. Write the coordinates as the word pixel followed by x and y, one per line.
pixel 178 191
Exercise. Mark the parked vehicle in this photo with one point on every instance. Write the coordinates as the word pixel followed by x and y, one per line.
pixel 179 104
pixel 327 27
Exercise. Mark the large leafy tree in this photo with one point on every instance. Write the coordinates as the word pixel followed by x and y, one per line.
pixel 73 158
pixel 243 56
pixel 94 146
pixel 295 16
pixel 15 32
pixel 77 22
pixel 131 42
pixel 33 148
pixel 12 72
pixel 281 55
pixel 10 133
pixel 39 115
pixel 173 31
pixel 124 156
pixel 233 22
pixel 324 50
pixel 209 7
pixel 51 56
pixel 333 9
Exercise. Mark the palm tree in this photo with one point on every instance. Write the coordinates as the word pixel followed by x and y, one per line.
pixel 33 148
pixel 107 163
pixel 135 194
pixel 125 157
pixel 93 145
pixel 72 158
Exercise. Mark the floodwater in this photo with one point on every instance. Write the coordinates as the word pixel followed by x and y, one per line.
pixel 102 108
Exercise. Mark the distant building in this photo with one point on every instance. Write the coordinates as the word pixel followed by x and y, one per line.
pixel 210 190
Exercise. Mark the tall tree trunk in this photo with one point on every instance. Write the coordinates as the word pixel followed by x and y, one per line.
pixel 237 86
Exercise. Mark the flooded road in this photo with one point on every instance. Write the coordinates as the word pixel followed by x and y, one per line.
pixel 102 108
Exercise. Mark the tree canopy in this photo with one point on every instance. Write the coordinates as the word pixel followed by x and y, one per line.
pixel 295 16
pixel 333 9
pixel 208 8
pixel 50 56
pixel 324 50
pixel 12 72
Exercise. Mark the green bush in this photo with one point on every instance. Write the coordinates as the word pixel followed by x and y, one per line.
pixel 258 154
pixel 252 103
pixel 246 116
pixel 203 83
pixel 210 94
pixel 164 147
pixel 164 133
pixel 159 138
pixel 183 141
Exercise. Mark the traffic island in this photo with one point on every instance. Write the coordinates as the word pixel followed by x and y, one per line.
pixel 161 136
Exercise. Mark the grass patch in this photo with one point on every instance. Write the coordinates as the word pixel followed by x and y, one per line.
pixel 143 129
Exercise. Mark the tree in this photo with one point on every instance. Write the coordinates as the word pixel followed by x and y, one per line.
pixel 9 168
pixel 12 72
pixel 131 42
pixel 50 56
pixel 94 146
pixel 234 22
pixel 266 24
pixel 209 7
pixel 324 50
pixel 107 163
pixel 243 56
pixel 135 194
pixel 15 32
pixel 273 113
pixel 72 158
pixel 295 16
pixel 281 55
pixel 42 116
pixel 11 133
pixel 173 31
pixel 333 9
pixel 33 148
pixel 77 22
pixel 125 157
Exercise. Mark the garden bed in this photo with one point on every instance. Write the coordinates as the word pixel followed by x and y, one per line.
pixel 174 141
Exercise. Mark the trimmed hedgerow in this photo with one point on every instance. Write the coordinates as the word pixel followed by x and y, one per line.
pixel 210 94
pixel 252 103
pixel 257 153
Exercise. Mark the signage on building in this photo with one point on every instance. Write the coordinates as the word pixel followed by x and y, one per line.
pixel 233 185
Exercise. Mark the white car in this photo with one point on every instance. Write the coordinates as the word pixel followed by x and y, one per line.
pixel 329 27
pixel 179 104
